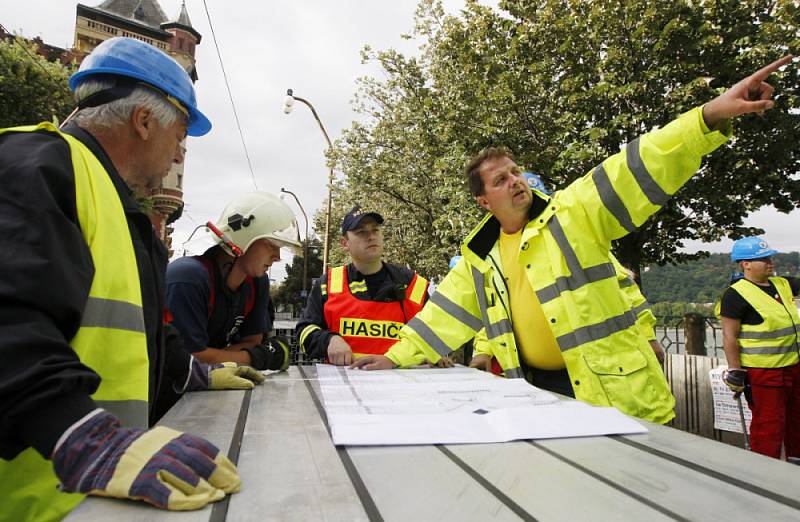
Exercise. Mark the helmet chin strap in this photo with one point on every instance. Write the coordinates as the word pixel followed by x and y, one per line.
pixel 225 239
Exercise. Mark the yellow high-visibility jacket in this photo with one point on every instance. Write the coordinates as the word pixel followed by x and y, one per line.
pixel 638 304
pixel 644 315
pixel 111 339
pixel 775 342
pixel 565 249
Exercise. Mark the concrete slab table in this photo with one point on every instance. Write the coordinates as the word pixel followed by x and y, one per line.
pixel 292 471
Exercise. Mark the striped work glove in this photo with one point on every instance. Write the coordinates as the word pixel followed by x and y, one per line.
pixel 272 354
pixel 161 466
pixel 224 376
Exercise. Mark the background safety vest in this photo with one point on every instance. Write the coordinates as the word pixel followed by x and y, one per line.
pixel 773 343
pixel 565 251
pixel 111 339
pixel 369 327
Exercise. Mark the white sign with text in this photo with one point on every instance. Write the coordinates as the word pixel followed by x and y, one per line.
pixel 726 409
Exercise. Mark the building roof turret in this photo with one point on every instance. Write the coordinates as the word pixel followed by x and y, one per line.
pixel 182 22
pixel 147 12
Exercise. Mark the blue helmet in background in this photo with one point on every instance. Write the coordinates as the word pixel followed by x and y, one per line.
pixel 132 58
pixel 751 247
pixel 454 261
pixel 535 182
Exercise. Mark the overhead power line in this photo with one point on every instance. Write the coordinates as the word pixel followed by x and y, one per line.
pixel 230 96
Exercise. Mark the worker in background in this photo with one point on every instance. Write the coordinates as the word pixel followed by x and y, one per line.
pixel 359 308
pixel 219 300
pixel 761 338
pixel 81 300
pixel 537 272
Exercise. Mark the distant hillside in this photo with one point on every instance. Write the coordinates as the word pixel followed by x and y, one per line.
pixel 702 281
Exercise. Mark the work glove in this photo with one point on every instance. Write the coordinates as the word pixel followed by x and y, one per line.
pixel 272 354
pixel 736 379
pixel 161 466
pixel 223 376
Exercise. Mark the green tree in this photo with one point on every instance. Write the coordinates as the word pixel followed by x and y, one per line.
pixel 289 292
pixel 28 94
pixel 565 84
pixel 702 280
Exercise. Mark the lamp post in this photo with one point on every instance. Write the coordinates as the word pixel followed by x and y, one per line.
pixel 305 243
pixel 288 103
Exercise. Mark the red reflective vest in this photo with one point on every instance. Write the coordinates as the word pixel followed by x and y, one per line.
pixel 369 327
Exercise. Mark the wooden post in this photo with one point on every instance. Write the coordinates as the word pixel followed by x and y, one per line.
pixel 694 329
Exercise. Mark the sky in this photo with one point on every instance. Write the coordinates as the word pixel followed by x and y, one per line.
pixel 310 46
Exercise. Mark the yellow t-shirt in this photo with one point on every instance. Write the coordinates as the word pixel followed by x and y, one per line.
pixel 535 340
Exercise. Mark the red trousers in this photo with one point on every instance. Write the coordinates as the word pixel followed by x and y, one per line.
pixel 776 410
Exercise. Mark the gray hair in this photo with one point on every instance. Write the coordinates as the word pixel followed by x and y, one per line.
pixel 118 112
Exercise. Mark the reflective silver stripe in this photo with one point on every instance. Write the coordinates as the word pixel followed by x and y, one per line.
pixel 456 311
pixel 108 313
pixel 768 335
pixel 575 281
pixel 649 186
pixel 493 330
pixel 501 327
pixel 569 254
pixel 428 335
pixel 765 350
pixel 611 199
pixel 578 276
pixel 625 283
pixel 595 332
pixel 641 308
pixel 480 293
pixel 514 373
pixel 132 414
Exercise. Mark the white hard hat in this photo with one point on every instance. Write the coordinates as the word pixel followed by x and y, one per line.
pixel 258 215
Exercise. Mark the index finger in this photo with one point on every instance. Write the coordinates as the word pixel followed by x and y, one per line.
pixel 762 73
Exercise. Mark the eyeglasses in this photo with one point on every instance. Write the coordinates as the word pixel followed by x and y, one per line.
pixel 767 259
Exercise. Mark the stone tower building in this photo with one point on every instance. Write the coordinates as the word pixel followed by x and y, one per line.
pixel 145 21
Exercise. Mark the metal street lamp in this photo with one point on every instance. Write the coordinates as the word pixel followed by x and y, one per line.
pixel 288 104
pixel 305 243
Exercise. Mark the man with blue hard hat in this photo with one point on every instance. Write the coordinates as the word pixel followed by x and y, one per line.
pixel 761 338
pixel 85 366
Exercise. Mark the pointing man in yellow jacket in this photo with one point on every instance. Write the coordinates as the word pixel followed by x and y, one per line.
pixel 537 274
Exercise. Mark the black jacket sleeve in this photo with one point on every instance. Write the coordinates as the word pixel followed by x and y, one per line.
pixel 794 282
pixel 46 275
pixel 312 331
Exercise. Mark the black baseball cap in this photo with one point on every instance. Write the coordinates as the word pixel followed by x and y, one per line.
pixel 356 216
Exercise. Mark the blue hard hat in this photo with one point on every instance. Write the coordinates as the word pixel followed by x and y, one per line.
pixel 132 58
pixel 535 182
pixel 751 247
pixel 454 261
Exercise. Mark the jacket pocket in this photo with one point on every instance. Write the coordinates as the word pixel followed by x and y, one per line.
pixel 623 362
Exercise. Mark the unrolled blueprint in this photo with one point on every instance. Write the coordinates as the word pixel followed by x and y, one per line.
pixel 451 406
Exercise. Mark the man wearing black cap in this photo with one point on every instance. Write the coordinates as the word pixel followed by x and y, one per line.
pixel 358 309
